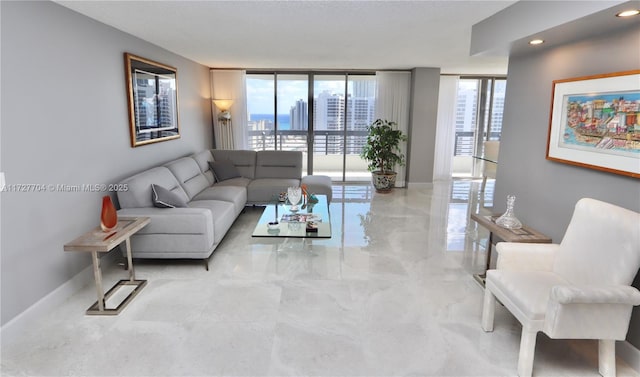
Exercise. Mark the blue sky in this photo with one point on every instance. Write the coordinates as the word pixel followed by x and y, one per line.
pixel 260 91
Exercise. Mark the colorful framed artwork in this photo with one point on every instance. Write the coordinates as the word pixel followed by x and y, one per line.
pixel 595 122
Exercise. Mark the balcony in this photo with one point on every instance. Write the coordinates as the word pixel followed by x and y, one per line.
pixel 328 147
pixel 464 165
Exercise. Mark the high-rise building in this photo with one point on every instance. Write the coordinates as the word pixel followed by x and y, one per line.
pixel 330 115
pixel 299 115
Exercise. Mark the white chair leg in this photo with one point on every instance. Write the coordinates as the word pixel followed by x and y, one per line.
pixel 527 350
pixel 607 357
pixel 488 310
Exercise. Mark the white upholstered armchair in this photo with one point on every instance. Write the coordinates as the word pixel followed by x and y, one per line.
pixel 578 289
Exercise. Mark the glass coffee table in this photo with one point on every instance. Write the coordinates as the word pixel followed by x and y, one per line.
pixel 310 221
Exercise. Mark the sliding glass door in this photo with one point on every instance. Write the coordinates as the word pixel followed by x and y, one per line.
pixel 261 106
pixel 329 125
pixel 479 107
pixel 324 115
pixel 361 112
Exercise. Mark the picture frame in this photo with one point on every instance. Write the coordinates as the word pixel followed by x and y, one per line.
pixel 152 93
pixel 595 122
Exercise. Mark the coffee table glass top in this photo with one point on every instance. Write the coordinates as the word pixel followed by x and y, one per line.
pixel 294 224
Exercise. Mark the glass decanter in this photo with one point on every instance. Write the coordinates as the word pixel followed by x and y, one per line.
pixel 508 219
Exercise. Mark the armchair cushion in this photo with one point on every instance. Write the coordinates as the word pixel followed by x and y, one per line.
pixel 526 256
pixel 525 293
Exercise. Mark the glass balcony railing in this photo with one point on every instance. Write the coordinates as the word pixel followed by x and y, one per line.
pixel 325 142
pixel 331 150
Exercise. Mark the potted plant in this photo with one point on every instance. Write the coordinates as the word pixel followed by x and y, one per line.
pixel 382 151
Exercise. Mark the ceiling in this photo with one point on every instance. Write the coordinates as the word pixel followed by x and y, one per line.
pixel 308 34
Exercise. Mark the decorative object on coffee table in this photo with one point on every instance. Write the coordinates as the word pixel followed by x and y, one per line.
pixel 294 194
pixel 294 224
pixel 108 216
pixel 508 219
pixel 382 151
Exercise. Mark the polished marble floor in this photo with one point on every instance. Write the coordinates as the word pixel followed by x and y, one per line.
pixel 390 294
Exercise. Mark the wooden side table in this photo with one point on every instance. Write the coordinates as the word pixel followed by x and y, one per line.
pixel 96 241
pixel 522 235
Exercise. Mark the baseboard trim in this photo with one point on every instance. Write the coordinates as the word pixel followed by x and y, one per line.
pixel 630 354
pixel 12 330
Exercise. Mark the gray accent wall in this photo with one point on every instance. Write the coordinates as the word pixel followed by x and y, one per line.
pixel 64 120
pixel 425 86
pixel 547 191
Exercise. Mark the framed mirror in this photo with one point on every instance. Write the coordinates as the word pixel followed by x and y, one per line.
pixel 153 100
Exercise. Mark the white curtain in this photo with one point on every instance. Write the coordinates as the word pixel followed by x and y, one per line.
pixel 392 103
pixel 230 84
pixel 446 128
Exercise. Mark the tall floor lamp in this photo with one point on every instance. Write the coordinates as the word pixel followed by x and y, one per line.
pixel 224 122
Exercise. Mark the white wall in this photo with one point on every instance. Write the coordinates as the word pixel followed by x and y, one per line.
pixel 64 120
pixel 547 191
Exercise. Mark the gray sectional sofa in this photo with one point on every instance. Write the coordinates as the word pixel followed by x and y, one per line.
pixel 195 230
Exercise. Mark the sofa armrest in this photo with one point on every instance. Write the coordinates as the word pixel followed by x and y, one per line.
pixel 173 220
pixel 526 256
pixel 580 294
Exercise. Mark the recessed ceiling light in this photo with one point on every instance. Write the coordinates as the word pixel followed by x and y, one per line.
pixel 536 41
pixel 628 13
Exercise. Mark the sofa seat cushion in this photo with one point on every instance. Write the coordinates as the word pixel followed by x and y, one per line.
pixel 234 194
pixel 263 190
pixel 223 215
pixel 237 182
pixel 527 290
pixel 173 220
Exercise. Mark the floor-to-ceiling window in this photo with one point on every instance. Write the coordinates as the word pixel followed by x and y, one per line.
pixel 261 108
pixel 479 107
pixel 324 115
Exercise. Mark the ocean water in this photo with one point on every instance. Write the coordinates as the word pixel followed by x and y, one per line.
pixel 284 121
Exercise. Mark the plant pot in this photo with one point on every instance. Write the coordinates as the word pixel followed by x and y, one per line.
pixel 383 181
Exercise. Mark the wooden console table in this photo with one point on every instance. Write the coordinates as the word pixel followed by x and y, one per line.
pixel 522 235
pixel 96 241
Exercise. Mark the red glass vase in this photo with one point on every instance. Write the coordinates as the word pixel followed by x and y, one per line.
pixel 108 217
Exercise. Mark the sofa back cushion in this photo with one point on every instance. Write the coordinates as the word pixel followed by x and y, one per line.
pixel 224 170
pixel 139 187
pixel 279 164
pixel 244 160
pixel 189 175
pixel 202 159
